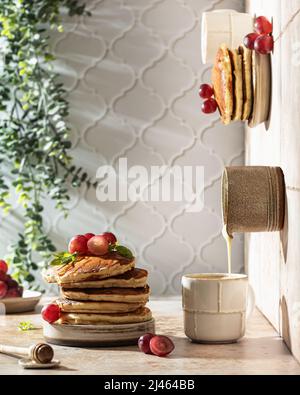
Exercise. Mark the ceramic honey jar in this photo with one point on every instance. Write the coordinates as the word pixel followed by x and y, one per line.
pixel 253 199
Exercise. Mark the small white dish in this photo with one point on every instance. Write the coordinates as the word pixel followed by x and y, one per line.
pixel 22 304
pixel 29 364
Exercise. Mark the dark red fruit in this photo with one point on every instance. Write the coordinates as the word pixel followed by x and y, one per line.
pixel 250 39
pixel 3 266
pixel 98 245
pixel 78 244
pixel 3 289
pixel 110 237
pixel 161 345
pixel 144 343
pixel 209 106
pixel 88 236
pixel 262 25
pixel 3 276
pixel 51 313
pixel 205 91
pixel 11 282
pixel 20 290
pixel 14 292
pixel 264 44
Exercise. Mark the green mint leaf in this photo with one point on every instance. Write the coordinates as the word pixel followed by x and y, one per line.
pixel 124 251
pixel 63 258
pixel 26 326
pixel 55 262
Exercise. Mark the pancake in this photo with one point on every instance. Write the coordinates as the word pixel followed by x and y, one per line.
pixel 237 83
pixel 140 315
pixel 222 83
pixel 123 295
pixel 247 82
pixel 134 278
pixel 96 267
pixel 73 306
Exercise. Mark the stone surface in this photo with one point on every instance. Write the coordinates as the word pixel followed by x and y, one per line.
pixel 261 351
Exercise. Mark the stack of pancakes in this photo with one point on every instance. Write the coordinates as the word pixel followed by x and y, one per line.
pixel 100 290
pixel 232 83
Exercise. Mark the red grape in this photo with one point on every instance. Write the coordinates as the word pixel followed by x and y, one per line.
pixel 110 237
pixel 250 39
pixel 11 282
pixel 98 245
pixel 262 25
pixel 161 345
pixel 144 343
pixel 78 244
pixel 209 106
pixel 4 277
pixel 14 292
pixel 88 236
pixel 51 313
pixel 264 44
pixel 3 266
pixel 3 289
pixel 205 91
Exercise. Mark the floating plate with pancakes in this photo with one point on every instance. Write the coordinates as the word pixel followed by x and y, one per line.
pixel 241 80
pixel 100 291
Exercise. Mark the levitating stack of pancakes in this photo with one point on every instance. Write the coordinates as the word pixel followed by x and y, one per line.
pixel 232 83
pixel 100 290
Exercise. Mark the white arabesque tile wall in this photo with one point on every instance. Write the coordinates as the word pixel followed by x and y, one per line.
pixel 132 70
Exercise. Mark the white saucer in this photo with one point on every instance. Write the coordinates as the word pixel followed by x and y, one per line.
pixel 262 89
pixel 22 304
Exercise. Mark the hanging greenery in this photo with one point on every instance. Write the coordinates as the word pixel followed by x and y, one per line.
pixel 34 134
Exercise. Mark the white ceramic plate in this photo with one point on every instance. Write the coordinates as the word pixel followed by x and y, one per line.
pixel 262 87
pixel 96 335
pixel 21 305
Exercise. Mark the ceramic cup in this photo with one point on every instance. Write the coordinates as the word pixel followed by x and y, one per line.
pixel 223 26
pixel 216 306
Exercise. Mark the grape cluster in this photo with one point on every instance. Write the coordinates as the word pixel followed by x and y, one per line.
pixel 209 105
pixel 91 244
pixel 155 344
pixel 9 288
pixel 261 40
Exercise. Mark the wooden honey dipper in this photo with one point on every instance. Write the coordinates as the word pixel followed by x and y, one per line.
pixel 40 353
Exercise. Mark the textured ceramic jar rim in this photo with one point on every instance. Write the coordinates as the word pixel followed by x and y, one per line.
pixel 214 277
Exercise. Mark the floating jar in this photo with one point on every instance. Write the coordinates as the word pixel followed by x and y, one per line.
pixel 253 199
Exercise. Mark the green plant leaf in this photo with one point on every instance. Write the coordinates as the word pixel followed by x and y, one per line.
pixel 63 258
pixel 26 326
pixel 122 250
pixel 34 129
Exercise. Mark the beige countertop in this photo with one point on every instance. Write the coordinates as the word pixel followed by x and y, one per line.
pixel 260 352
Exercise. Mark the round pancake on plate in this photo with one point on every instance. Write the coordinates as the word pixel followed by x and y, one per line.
pixel 222 83
pixel 123 295
pixel 86 267
pixel 76 306
pixel 140 315
pixel 237 83
pixel 247 82
pixel 134 278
